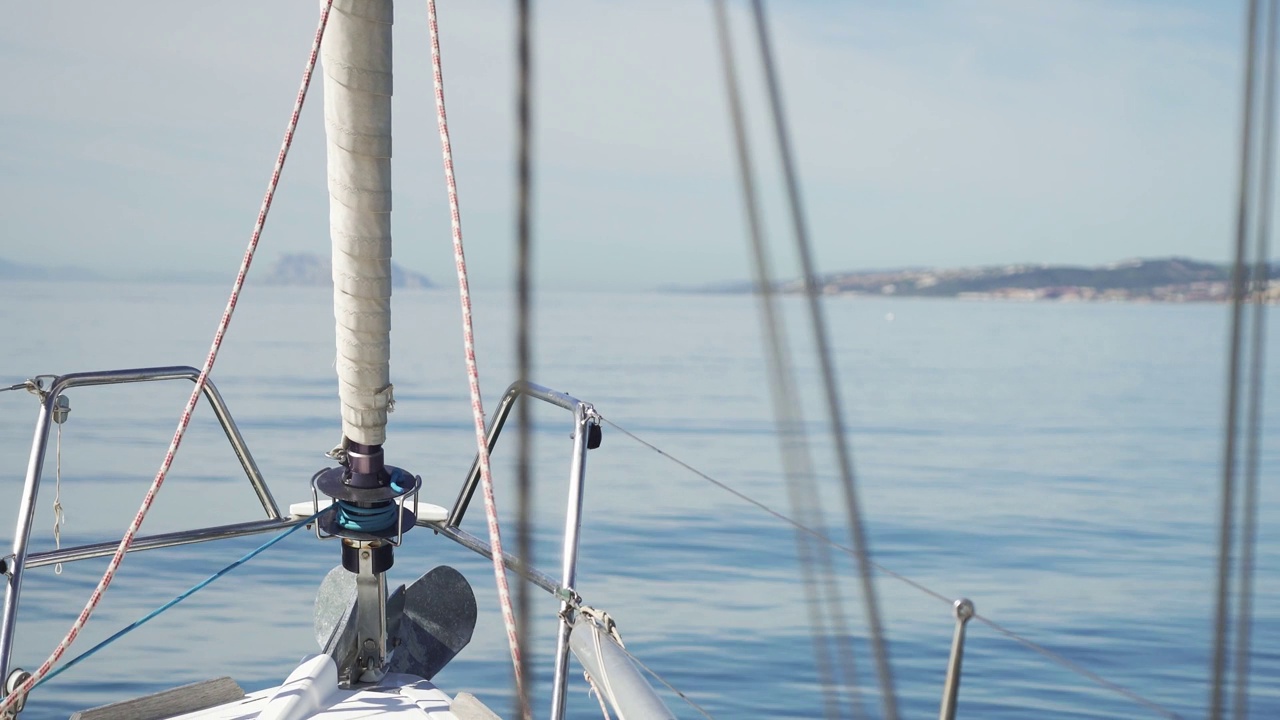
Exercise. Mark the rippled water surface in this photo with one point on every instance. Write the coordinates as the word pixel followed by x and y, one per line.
pixel 1058 464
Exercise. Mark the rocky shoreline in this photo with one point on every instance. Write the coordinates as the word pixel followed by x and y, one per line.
pixel 1138 280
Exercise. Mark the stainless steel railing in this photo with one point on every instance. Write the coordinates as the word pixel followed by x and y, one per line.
pixel 586 435
pixel 18 561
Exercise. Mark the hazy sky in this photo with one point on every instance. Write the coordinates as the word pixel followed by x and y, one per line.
pixel 140 135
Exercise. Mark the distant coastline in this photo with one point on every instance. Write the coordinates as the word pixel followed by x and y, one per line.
pixel 298 269
pixel 317 271
pixel 22 271
pixel 1164 280
pixel 1175 280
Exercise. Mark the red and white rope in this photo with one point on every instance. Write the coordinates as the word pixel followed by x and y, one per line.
pixel 129 534
pixel 473 373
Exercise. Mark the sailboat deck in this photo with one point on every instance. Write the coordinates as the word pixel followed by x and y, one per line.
pixel 311 691
pixel 400 697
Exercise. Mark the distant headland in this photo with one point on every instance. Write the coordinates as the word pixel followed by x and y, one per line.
pixel 317 270
pixel 291 269
pixel 1140 280
pixel 10 270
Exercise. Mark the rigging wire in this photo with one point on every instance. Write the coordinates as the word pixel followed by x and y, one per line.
pixel 880 649
pixel 784 518
pixel 185 419
pixel 1226 528
pixel 663 680
pixel 524 351
pixel 182 596
pixel 1078 669
pixel 473 372
pixel 1055 657
pixel 1257 362
pixel 822 595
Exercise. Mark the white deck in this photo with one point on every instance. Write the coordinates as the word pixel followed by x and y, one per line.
pixel 312 691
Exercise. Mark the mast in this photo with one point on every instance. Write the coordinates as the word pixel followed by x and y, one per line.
pixel 368 512
pixel 356 55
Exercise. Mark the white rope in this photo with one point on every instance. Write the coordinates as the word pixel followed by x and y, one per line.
pixel 603 624
pixel 604 667
pixel 473 373
pixel 594 691
pixel 59 518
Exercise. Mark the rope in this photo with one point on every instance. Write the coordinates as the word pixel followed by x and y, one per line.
pixel 1078 669
pixel 824 605
pixel 668 685
pixel 59 518
pixel 1257 365
pixel 1023 640
pixel 192 591
pixel 604 625
pixel 377 518
pixel 524 349
pixel 473 373
pixel 604 672
pixel 879 647
pixel 185 419
pixel 1226 526
pixel 594 691
pixel 366 519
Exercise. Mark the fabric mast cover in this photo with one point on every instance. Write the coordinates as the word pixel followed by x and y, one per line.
pixel 356 55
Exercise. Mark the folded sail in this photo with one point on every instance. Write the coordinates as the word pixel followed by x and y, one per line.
pixel 356 56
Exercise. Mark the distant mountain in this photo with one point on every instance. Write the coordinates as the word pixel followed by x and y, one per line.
pixel 728 287
pixel 1159 279
pixel 317 270
pixel 19 271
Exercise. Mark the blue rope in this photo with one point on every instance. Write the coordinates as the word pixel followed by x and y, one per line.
pixel 372 519
pixel 197 587
pixel 367 520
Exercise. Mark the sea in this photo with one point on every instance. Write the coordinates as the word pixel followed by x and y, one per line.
pixel 1058 464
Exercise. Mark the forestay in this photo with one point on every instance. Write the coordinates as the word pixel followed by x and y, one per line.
pixel 356 56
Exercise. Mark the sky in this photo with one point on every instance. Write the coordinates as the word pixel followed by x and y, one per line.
pixel 137 138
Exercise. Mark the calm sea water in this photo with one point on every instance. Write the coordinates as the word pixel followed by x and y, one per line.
pixel 1055 463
